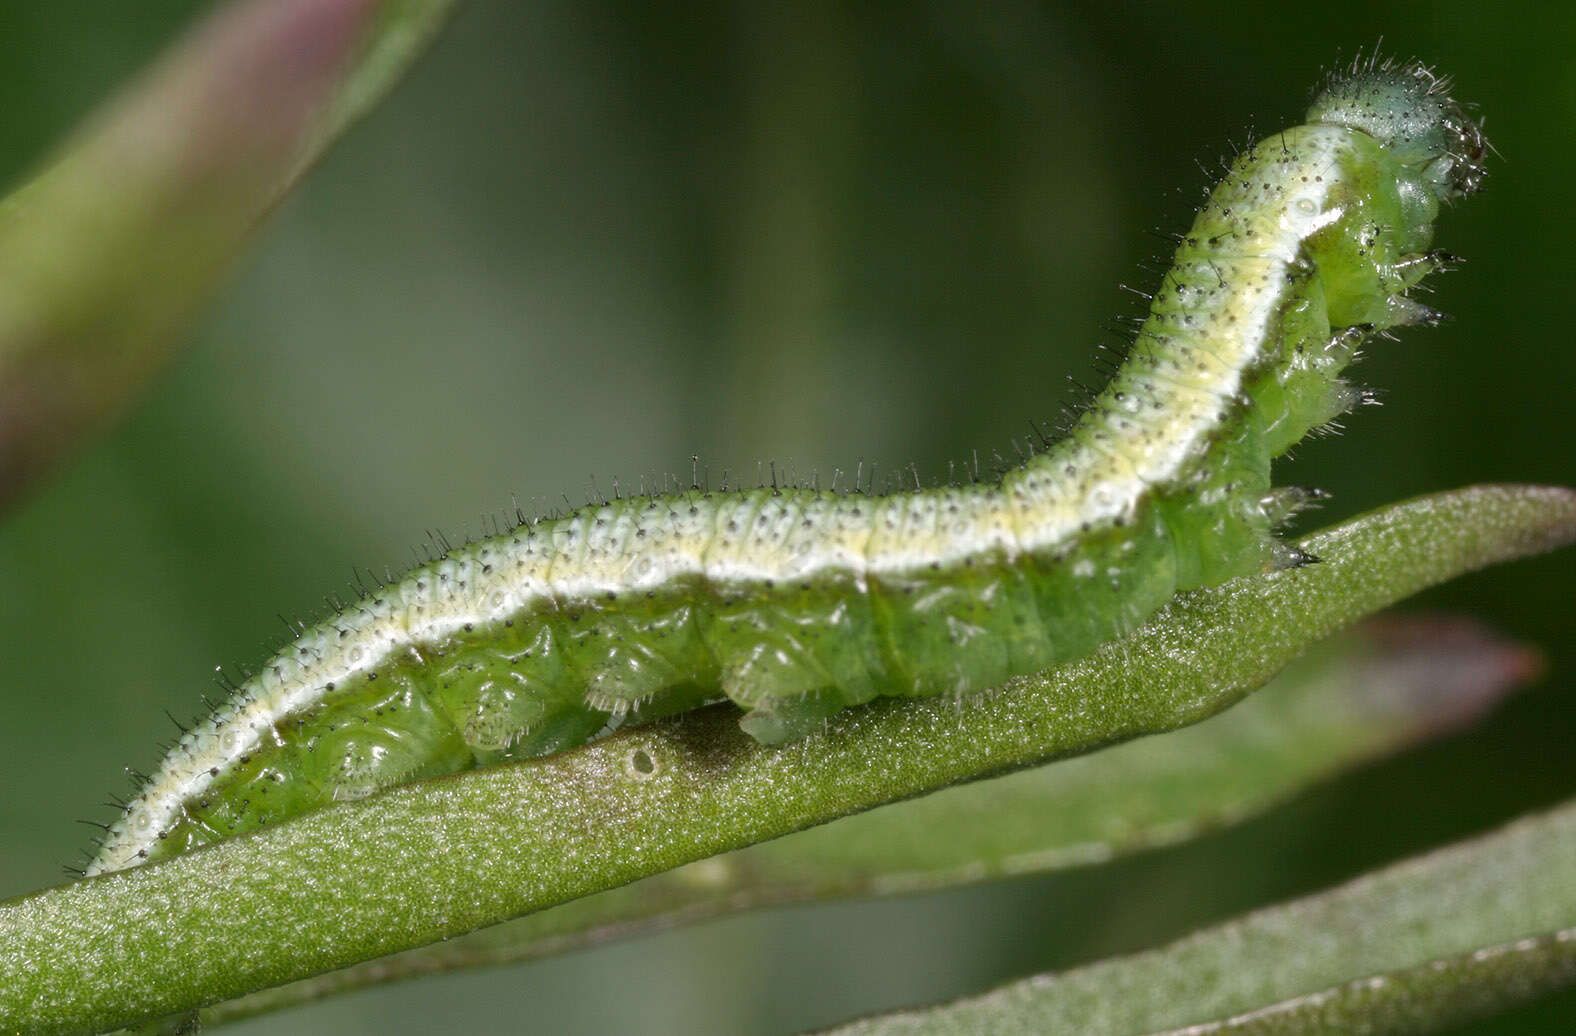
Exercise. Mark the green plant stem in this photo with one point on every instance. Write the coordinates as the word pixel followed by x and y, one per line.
pixel 435 859
pixel 1376 689
pixel 1428 943
pixel 107 253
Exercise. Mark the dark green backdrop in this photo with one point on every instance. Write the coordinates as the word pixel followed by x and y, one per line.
pixel 596 238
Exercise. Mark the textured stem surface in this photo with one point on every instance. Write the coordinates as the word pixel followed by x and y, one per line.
pixel 442 857
pixel 1427 944
pixel 1383 687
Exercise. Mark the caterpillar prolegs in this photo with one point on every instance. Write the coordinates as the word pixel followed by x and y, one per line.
pixel 796 603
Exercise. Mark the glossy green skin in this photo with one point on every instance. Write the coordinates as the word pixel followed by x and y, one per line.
pixel 795 650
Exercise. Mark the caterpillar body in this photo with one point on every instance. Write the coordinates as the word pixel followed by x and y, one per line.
pixel 796 603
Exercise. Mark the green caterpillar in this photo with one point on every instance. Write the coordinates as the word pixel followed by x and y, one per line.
pixel 797 603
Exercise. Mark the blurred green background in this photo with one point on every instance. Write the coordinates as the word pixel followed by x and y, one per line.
pixel 596 238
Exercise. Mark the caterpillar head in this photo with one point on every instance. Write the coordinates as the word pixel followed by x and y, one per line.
pixel 1409 110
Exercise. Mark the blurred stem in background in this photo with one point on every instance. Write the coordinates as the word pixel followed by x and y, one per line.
pixel 108 252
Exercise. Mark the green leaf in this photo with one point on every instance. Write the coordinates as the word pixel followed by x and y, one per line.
pixel 1431 942
pixel 431 860
pixel 1364 693
pixel 108 251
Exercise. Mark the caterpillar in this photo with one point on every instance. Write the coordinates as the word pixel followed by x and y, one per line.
pixel 795 603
